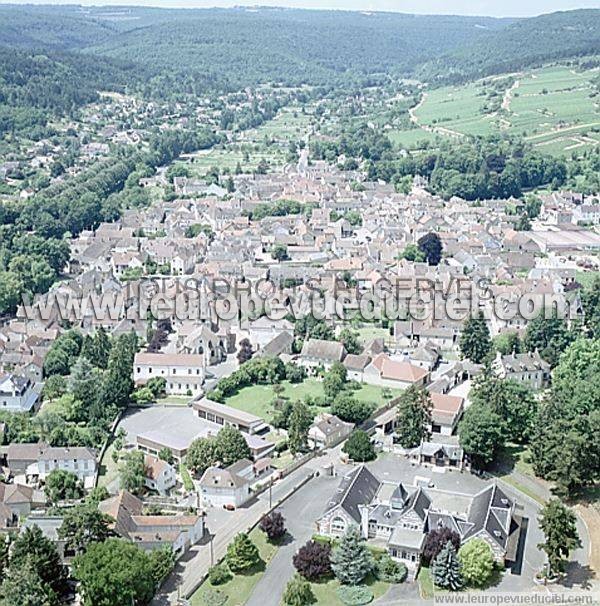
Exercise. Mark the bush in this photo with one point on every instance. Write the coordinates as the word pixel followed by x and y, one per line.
pixel 219 574
pixel 390 571
pixel 213 597
pixel 325 540
pixel 298 592
pixel 281 446
pixel 354 595
pixel 359 447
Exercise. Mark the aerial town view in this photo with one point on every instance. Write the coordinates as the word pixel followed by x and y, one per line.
pixel 299 303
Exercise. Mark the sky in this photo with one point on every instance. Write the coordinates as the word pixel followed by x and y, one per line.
pixel 492 8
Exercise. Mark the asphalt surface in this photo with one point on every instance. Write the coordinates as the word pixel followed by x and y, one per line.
pixel 300 511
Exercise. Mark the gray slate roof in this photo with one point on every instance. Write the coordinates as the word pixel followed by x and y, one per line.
pixel 359 487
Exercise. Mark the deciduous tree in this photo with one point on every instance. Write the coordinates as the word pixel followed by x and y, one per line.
pixel 481 434
pixel 431 247
pixel 273 525
pixel 201 455
pixel 313 560
pixel 436 540
pixel 358 447
pixel 477 562
pixel 115 573
pixel 132 471
pixel 84 524
pixel 62 484
pixel 558 524
pixel 230 446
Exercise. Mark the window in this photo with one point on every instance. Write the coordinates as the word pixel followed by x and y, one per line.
pixel 338 525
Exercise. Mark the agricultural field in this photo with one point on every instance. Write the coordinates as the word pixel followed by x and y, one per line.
pixel 557 109
pixel 269 142
pixel 457 111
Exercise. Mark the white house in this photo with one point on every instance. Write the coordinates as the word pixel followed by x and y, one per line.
pixel 18 394
pixel 183 373
pixel 78 460
pixel 527 367
pixel 159 475
pixel 328 430
pixel 223 487
pixel 179 532
pixel 318 353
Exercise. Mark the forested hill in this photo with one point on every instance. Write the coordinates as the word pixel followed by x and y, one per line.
pixel 524 43
pixel 296 46
pixel 240 47
pixel 58 81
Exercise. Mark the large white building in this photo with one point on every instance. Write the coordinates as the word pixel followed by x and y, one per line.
pixel 184 373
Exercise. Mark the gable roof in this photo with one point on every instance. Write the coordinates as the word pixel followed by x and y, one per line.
pixel 359 487
pixel 401 371
pixel 326 350
pixel 491 511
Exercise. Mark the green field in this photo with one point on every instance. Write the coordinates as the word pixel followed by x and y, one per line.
pixel 555 108
pixel 258 399
pixel 456 111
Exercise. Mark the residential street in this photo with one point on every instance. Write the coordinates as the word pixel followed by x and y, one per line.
pixel 300 512
pixel 192 567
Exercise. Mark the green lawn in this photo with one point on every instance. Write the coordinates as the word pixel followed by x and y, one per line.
pixel 108 469
pixel 425 583
pixel 269 142
pixel 515 456
pixel 586 278
pixel 258 399
pixel 174 401
pixel 368 333
pixel 326 591
pixel 188 484
pixel 240 587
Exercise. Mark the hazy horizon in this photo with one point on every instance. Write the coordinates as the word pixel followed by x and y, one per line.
pixel 481 8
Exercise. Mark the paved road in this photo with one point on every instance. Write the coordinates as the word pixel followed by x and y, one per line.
pixel 194 565
pixel 300 512
pixel 304 507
